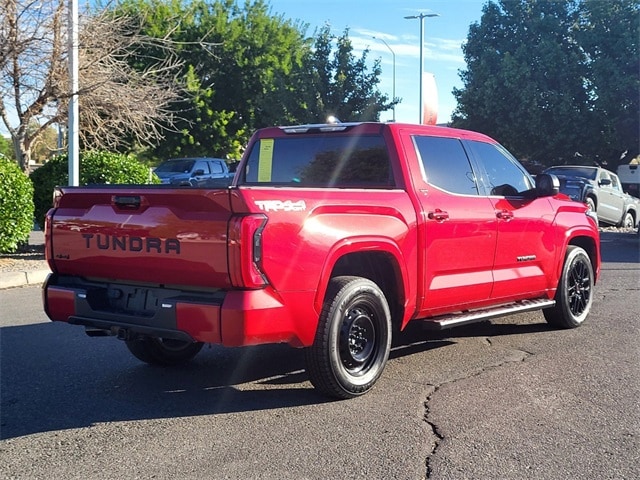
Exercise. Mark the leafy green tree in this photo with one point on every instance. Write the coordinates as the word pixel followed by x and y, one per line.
pixel 237 61
pixel 246 68
pixel 338 83
pixel 6 148
pixel 608 34
pixel 525 79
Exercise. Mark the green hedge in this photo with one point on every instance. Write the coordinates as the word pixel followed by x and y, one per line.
pixel 96 167
pixel 16 206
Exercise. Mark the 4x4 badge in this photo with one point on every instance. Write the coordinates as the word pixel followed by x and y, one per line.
pixel 281 205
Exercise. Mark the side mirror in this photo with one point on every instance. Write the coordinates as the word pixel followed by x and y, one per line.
pixel 604 182
pixel 198 173
pixel 547 185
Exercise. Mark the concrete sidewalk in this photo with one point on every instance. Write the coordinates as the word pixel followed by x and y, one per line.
pixel 30 272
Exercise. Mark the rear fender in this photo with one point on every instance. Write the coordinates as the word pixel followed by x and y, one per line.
pixel 406 291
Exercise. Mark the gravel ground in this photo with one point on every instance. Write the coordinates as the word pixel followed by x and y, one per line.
pixel 30 260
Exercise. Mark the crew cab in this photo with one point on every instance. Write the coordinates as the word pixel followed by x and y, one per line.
pixel 601 190
pixel 330 238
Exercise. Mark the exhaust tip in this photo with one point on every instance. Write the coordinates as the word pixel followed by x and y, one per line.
pixel 96 332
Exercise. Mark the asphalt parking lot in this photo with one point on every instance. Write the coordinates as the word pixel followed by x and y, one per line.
pixel 509 399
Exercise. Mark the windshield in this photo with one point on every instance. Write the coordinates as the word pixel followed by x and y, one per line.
pixel 584 172
pixel 175 166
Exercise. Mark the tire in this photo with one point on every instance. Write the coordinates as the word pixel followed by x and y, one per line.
pixel 353 339
pixel 165 352
pixel 591 204
pixel 574 295
pixel 628 221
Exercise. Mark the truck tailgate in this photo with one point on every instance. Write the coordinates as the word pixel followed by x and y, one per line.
pixel 153 235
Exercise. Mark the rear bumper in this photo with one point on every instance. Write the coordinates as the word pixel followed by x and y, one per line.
pixel 232 318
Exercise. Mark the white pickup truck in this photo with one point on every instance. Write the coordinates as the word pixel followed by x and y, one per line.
pixel 601 190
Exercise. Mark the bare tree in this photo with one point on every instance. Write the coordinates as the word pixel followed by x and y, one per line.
pixel 118 104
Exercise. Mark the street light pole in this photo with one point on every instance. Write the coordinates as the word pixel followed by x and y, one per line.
pixel 72 132
pixel 393 56
pixel 421 17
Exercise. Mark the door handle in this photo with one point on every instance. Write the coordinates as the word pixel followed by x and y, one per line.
pixel 438 215
pixel 504 215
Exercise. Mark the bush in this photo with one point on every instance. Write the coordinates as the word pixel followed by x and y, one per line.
pixel 96 167
pixel 16 206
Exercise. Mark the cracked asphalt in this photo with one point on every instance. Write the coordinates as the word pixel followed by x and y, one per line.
pixel 507 399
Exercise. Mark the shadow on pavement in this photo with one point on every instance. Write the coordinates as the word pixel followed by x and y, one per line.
pixel 53 377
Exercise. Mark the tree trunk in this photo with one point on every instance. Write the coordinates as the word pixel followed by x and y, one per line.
pixel 22 152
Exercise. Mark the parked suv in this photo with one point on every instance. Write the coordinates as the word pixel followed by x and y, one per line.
pixel 194 172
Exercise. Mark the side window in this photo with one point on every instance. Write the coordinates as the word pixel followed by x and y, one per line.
pixel 604 176
pixel 201 165
pixel 216 167
pixel 504 175
pixel 446 164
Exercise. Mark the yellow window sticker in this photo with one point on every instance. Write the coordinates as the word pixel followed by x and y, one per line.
pixel 265 160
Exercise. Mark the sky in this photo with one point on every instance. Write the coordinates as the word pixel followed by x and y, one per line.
pixel 384 19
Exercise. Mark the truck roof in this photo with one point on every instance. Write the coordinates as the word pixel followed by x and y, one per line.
pixel 372 127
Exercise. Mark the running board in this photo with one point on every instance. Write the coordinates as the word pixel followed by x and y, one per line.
pixel 473 316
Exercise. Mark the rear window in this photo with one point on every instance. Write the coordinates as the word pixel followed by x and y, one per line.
pixel 175 166
pixel 584 172
pixel 319 161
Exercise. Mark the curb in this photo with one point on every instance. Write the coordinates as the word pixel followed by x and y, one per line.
pixel 19 279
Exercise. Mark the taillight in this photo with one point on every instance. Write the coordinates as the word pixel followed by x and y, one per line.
pixel 245 250
pixel 48 245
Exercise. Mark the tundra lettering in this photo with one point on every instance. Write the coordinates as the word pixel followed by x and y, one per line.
pixel 132 244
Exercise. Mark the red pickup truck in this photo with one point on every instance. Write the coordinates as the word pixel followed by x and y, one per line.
pixel 330 238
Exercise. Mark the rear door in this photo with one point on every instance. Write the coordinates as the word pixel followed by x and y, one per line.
pixel 610 198
pixel 460 226
pixel 219 174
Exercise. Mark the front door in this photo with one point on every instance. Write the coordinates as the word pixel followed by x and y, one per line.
pixel 610 198
pixel 525 247
pixel 459 228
